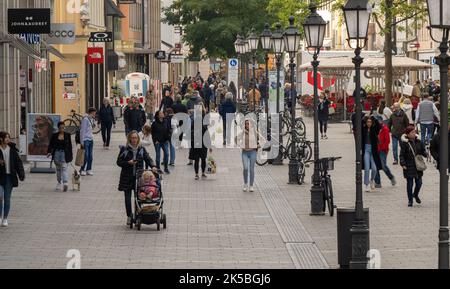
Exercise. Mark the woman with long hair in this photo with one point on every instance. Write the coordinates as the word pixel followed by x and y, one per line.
pixel 60 149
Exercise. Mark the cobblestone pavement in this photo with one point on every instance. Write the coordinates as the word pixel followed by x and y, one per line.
pixel 406 237
pixel 212 223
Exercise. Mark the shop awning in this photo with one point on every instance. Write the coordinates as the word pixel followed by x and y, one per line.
pixel 370 63
pixel 113 10
pixel 21 45
pixel 54 51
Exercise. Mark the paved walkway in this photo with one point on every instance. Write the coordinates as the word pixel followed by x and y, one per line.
pixel 212 223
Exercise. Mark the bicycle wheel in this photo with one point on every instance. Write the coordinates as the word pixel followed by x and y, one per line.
pixel 261 158
pixel 330 198
pixel 288 153
pixel 301 173
pixel 300 127
pixel 308 152
pixel 70 126
pixel 285 128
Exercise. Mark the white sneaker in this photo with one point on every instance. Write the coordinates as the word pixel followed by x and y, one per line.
pixel 252 189
pixel 90 173
pixel 372 185
pixel 83 173
pixel 367 190
pixel 245 188
pixel 5 223
pixel 58 187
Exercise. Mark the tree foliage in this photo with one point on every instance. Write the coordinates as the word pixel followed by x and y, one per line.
pixel 212 25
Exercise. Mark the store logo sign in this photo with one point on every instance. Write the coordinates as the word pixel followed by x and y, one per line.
pixel 28 21
pixel 61 34
pixel 101 37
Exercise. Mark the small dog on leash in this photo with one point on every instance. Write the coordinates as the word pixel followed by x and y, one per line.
pixel 76 180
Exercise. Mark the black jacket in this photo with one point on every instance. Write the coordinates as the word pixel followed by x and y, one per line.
pixel 106 115
pixel 128 173
pixel 435 148
pixel 134 118
pixel 167 102
pixel 198 146
pixel 178 107
pixel 374 132
pixel 161 131
pixel 227 107
pixel 68 151
pixel 407 158
pixel 324 110
pixel 16 167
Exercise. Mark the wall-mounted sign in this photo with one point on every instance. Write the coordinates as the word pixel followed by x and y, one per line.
pixel 125 46
pixel 160 55
pixel 101 37
pixel 31 38
pixel 69 92
pixel 61 34
pixel 95 55
pixel 40 64
pixel 68 75
pixel 29 21
pixel 127 2
pixel 176 58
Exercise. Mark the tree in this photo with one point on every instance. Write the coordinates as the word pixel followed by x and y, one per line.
pixel 212 25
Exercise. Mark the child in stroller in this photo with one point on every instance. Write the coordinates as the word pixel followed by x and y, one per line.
pixel 149 200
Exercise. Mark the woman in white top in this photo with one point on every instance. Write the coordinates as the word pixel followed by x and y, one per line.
pixel 384 111
pixel 146 138
pixel 409 110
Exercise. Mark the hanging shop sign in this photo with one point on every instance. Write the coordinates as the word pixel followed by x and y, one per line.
pixel 101 37
pixel 95 55
pixel 61 33
pixel 160 55
pixel 29 21
pixel 41 64
pixel 177 58
pixel 31 38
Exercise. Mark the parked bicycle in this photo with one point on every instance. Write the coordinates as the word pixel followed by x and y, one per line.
pixel 326 165
pixel 73 124
pixel 300 127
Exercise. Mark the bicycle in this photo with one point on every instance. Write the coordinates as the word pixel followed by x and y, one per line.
pixel 73 124
pixel 286 121
pixel 325 165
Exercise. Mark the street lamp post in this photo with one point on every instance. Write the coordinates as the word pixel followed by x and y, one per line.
pixel 314 28
pixel 357 16
pixel 440 21
pixel 253 41
pixel 278 47
pixel 292 42
pixel 266 40
pixel 245 51
pixel 238 49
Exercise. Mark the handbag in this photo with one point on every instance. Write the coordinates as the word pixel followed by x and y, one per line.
pixel 212 166
pixel 421 166
pixel 79 160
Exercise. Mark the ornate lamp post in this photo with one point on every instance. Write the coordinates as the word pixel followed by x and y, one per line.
pixel 438 11
pixel 266 41
pixel 292 42
pixel 314 28
pixel 238 47
pixel 277 43
pixel 253 42
pixel 357 15
pixel 245 51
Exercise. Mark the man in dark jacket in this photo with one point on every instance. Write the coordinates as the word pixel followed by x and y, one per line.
pixel 398 122
pixel 161 133
pixel 435 147
pixel 207 95
pixel 134 117
pixel 167 101
pixel 178 106
pixel 193 101
pixel 227 107
pixel 106 120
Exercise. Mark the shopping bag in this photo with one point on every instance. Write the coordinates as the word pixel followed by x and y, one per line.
pixel 211 166
pixel 79 161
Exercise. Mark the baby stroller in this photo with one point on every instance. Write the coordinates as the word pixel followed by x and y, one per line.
pixel 148 211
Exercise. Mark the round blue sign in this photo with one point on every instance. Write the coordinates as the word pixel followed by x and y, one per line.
pixel 233 62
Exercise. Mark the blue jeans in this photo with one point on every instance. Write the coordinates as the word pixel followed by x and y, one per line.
pixel 395 143
pixel 249 161
pixel 165 148
pixel 88 155
pixel 385 168
pixel 62 169
pixel 172 154
pixel 5 197
pixel 426 132
pixel 369 165
pixel 410 186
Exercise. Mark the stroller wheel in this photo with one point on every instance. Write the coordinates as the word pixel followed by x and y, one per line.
pixel 164 221
pixel 139 224
pixel 158 224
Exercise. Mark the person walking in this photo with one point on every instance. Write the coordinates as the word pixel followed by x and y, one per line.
pixel 436 144
pixel 247 140
pixel 199 149
pixel 60 149
pixel 264 93
pixel 146 138
pixel 370 156
pixel 408 108
pixel 134 117
pixel 220 94
pixel 398 122
pixel 425 116
pixel 384 140
pixel 384 112
pixel 410 148
pixel 178 106
pixel 87 141
pixel 11 171
pixel 161 131
pixel 169 116
pixel 254 97
pixel 226 108
pixel 167 101
pixel 324 115
pixel 131 159
pixel 106 120
pixel 150 103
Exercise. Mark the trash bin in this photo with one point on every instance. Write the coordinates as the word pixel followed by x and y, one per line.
pixel 345 217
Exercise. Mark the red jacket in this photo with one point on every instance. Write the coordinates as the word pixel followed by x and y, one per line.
pixel 384 139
